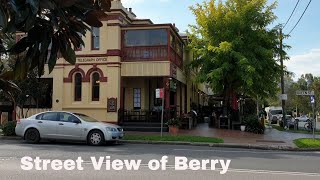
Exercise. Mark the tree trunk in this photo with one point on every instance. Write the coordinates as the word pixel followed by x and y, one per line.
pixel 225 101
pixel 26 115
pixel 14 113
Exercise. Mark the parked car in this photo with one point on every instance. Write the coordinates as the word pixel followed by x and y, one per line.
pixel 56 125
pixel 290 121
pixel 303 118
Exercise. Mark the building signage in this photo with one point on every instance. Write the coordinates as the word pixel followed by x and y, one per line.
pixel 92 59
pixel 159 93
pixel 173 86
pixel 112 105
pixel 304 93
pixel 173 69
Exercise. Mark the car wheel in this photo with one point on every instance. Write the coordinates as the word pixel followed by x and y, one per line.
pixel 32 136
pixel 95 138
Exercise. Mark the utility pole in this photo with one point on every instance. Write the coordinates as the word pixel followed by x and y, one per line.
pixel 283 102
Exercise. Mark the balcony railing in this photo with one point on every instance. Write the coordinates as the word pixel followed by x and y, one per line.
pixel 175 58
pixel 145 116
pixel 145 53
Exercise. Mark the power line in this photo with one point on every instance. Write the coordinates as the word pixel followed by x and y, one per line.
pixel 300 17
pixel 291 13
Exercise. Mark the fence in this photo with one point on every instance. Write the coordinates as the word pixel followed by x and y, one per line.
pixel 30 112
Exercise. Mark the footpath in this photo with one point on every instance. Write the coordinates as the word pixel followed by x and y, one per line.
pixel 272 139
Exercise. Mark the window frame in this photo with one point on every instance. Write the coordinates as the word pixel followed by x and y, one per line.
pixel 93 36
pixel 148 37
pixel 136 98
pixel 76 98
pixel 93 86
pixel 56 119
pixel 81 46
pixel 59 115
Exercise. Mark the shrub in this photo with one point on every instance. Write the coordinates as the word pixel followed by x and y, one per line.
pixel 174 122
pixel 8 129
pixel 253 125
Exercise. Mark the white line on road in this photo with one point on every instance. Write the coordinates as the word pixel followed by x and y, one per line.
pixel 254 152
pixel 252 171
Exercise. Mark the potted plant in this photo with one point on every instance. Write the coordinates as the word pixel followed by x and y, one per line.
pixel 243 127
pixel 174 125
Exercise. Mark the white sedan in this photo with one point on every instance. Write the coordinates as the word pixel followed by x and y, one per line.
pixel 302 118
pixel 59 125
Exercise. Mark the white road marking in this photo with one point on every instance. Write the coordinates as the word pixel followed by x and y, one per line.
pixel 254 152
pixel 252 171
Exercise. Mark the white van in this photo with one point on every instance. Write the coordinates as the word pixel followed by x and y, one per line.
pixel 274 114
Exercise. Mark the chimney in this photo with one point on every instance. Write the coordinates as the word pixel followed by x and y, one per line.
pixel 130 10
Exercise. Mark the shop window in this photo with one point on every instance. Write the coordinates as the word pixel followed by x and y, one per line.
pixel 95 38
pixel 95 86
pixel 78 87
pixel 137 98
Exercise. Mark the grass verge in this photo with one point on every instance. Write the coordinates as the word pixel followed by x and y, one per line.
pixel 174 138
pixel 294 131
pixel 307 143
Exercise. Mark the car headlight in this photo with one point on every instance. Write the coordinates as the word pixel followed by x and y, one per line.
pixel 111 129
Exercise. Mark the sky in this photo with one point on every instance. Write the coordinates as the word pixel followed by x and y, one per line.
pixel 304 40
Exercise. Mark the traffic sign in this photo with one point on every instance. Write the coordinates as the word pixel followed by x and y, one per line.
pixel 284 97
pixel 312 99
pixel 304 93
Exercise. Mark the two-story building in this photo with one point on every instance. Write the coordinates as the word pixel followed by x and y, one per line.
pixel 121 66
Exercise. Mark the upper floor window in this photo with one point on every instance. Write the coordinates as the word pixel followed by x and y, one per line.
pixel 95 86
pixel 81 46
pixel 146 37
pixel 78 87
pixel 95 38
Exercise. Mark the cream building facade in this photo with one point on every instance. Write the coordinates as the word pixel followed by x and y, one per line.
pixel 118 71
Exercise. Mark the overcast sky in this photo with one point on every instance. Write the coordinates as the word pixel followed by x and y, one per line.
pixel 304 40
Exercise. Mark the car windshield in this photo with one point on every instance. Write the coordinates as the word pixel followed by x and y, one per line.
pixel 86 118
pixel 274 112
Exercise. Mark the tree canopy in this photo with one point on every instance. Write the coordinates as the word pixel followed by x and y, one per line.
pixel 301 103
pixel 47 24
pixel 234 47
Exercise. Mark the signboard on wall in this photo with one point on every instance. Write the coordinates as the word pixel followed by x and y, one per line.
pixel 112 105
pixel 173 86
pixel 91 59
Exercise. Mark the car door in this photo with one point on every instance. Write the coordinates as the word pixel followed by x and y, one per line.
pixel 47 124
pixel 67 128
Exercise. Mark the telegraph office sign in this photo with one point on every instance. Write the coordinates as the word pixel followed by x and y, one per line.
pixel 304 93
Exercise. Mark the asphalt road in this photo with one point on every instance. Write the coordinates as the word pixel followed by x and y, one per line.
pixel 245 164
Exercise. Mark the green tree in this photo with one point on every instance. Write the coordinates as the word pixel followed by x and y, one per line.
pixel 235 49
pixel 55 23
